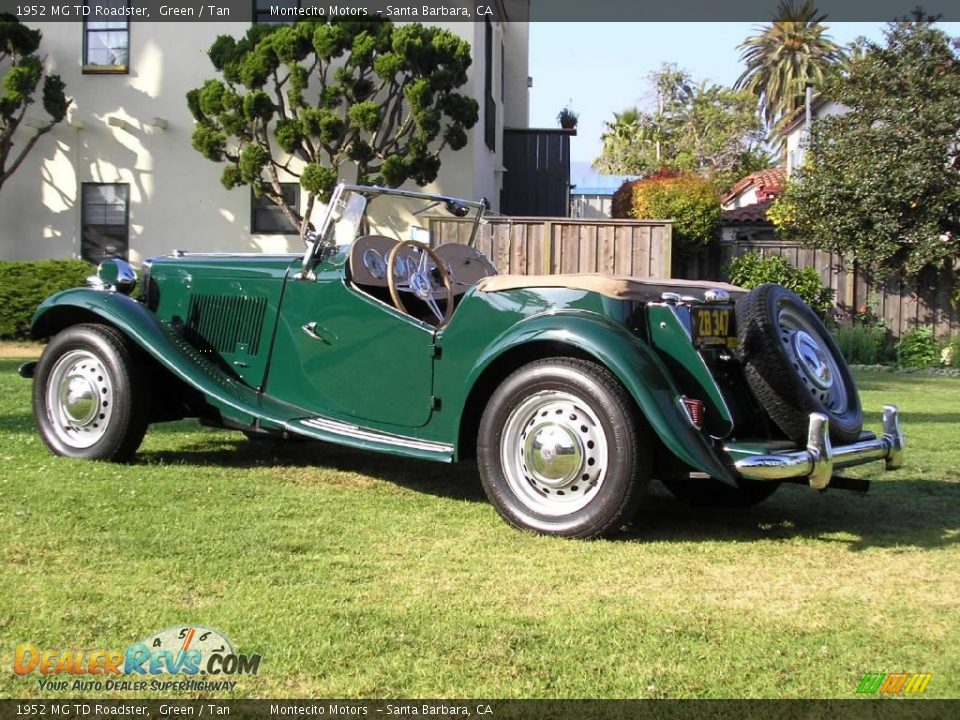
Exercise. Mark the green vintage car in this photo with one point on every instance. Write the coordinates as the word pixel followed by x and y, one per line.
pixel 570 391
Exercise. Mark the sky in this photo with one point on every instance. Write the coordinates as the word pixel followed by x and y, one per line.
pixel 599 68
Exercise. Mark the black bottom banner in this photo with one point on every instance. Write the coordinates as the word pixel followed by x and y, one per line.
pixel 493 709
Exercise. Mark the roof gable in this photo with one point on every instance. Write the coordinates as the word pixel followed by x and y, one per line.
pixel 768 184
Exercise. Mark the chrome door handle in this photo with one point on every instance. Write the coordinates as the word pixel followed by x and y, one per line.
pixel 311 330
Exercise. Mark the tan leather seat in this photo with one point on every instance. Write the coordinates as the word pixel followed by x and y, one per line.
pixel 620 288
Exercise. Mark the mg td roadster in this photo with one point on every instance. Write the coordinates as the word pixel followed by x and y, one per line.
pixel 569 391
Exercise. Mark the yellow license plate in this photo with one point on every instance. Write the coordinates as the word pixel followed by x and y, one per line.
pixel 714 327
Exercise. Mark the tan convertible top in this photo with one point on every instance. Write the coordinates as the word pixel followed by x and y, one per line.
pixel 618 287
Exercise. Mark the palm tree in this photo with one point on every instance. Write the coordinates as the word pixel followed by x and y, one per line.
pixel 782 58
pixel 623 140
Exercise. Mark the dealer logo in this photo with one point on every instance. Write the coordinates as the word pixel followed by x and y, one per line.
pixel 187 650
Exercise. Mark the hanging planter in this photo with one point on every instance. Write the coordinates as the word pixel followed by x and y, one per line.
pixel 567 118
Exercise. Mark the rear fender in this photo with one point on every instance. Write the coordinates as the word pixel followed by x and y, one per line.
pixel 635 365
pixel 232 398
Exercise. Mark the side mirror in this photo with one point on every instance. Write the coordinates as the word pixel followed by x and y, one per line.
pixel 457 209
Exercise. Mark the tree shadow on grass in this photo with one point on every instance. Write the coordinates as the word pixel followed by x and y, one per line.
pixel 916 418
pixel 868 382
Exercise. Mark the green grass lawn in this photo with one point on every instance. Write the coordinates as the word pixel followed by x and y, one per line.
pixel 357 575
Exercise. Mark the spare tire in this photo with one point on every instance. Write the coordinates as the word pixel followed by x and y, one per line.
pixel 793 365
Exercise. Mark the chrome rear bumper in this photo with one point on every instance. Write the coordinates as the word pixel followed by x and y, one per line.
pixel 818 462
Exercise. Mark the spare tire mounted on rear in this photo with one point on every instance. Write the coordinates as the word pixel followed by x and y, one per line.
pixel 794 366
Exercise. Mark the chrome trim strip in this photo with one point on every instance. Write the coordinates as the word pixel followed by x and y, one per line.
pixel 819 460
pixel 354 431
pixel 716 295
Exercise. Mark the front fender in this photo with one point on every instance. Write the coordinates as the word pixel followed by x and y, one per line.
pixel 635 365
pixel 76 305
pixel 232 398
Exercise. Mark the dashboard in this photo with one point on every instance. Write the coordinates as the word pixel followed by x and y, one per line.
pixel 369 254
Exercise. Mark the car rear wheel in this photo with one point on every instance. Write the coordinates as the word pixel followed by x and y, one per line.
pixel 561 451
pixel 89 399
pixel 794 367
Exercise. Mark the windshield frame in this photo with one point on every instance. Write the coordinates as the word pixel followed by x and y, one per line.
pixel 314 249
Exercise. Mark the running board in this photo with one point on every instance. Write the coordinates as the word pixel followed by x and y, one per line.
pixel 335 431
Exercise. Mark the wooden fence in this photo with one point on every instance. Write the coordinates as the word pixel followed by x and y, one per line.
pixel 643 248
pixel 536 245
pixel 902 303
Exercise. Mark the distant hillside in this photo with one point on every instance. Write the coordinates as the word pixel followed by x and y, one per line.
pixel 582 175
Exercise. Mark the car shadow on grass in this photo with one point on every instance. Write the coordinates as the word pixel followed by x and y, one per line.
pixel 17 423
pixel 456 481
pixel 904 513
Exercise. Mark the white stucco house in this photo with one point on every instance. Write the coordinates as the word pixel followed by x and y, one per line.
pixel 796 131
pixel 120 177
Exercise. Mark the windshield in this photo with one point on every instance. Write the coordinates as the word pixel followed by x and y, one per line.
pixel 347 218
pixel 398 215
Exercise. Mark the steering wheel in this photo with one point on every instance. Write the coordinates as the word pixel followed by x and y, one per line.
pixel 419 282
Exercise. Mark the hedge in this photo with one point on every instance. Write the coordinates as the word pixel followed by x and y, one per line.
pixel 753 269
pixel 25 284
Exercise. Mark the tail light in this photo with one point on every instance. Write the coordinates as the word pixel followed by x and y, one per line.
pixel 694 409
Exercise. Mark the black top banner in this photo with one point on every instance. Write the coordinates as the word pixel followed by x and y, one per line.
pixel 426 11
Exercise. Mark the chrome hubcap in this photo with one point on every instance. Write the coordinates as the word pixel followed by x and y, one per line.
pixel 815 365
pixel 79 398
pixel 554 453
pixel 813 361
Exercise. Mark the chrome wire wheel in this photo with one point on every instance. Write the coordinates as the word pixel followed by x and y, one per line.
pixel 553 453
pixel 813 361
pixel 79 399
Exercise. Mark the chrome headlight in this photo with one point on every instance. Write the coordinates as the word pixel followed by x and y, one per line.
pixel 114 275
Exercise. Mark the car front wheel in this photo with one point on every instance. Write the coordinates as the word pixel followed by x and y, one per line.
pixel 88 398
pixel 561 451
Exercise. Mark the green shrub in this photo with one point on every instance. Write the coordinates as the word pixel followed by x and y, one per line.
pixel 754 269
pixel 25 284
pixel 918 349
pixel 950 352
pixel 692 202
pixel 863 344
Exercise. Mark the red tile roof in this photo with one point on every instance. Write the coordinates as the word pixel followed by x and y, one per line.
pixel 768 183
pixel 748 214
